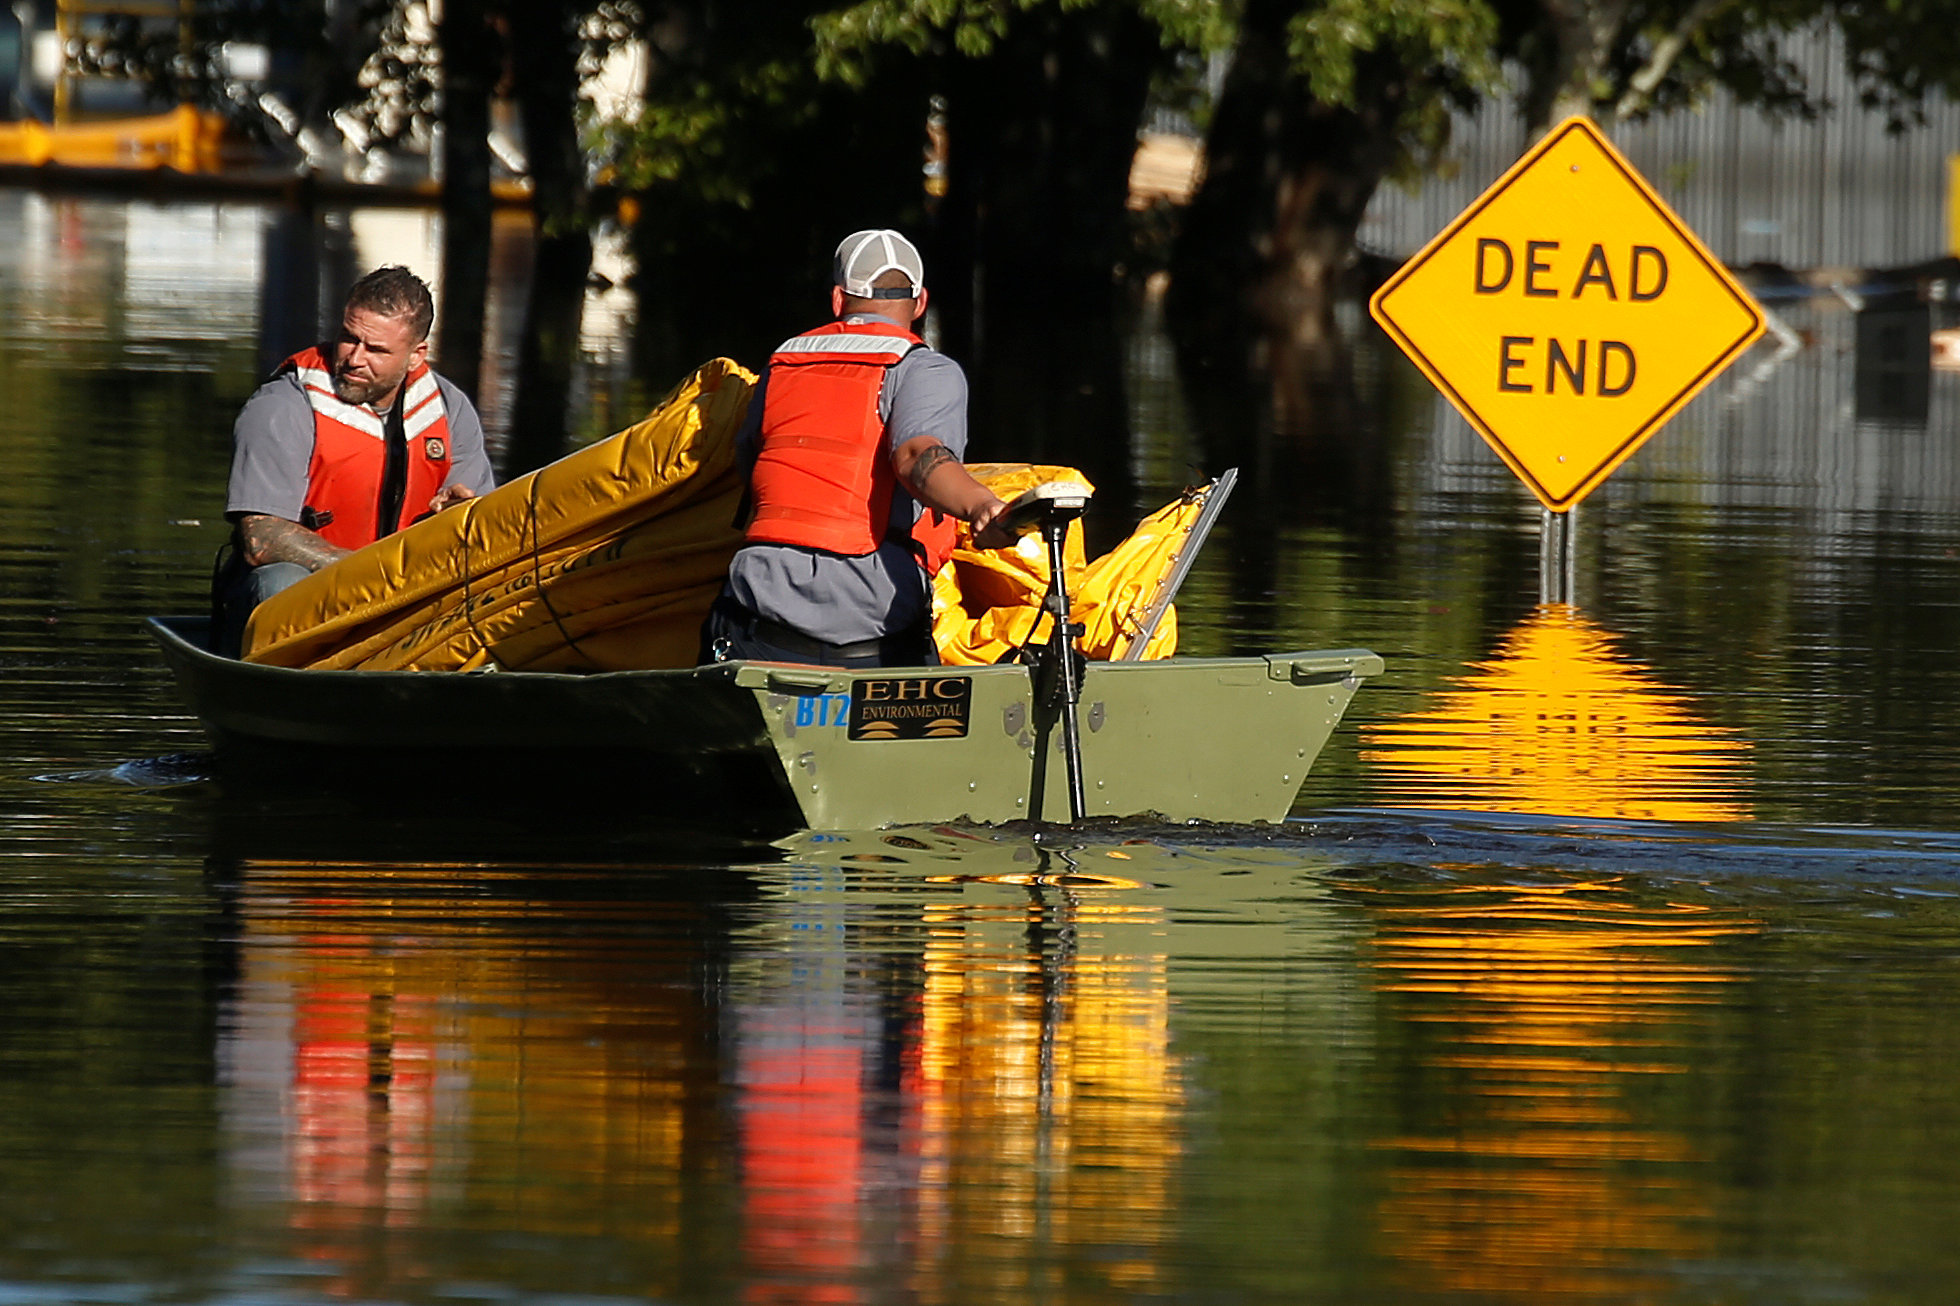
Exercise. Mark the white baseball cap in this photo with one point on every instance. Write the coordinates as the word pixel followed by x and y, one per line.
pixel 864 256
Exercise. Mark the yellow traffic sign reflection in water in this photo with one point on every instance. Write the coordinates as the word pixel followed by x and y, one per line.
pixel 1559 723
pixel 1568 313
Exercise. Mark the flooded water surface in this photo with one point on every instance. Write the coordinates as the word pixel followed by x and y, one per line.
pixel 1607 956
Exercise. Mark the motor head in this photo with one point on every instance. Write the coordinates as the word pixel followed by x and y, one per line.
pixel 1049 504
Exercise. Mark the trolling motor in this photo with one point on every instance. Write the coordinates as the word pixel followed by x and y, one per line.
pixel 1049 508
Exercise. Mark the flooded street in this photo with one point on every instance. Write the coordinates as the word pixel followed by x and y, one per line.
pixel 1606 957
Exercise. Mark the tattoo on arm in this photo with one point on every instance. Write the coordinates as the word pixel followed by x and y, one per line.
pixel 274 539
pixel 925 464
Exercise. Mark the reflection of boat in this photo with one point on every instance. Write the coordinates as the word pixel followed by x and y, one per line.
pixel 752 1077
pixel 1217 739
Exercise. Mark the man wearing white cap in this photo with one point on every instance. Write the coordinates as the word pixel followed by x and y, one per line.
pixel 854 437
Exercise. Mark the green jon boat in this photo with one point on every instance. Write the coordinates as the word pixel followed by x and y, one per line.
pixel 789 747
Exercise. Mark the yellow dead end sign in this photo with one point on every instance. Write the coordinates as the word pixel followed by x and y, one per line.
pixel 1568 313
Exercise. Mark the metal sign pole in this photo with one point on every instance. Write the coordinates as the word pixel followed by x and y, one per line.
pixel 1556 568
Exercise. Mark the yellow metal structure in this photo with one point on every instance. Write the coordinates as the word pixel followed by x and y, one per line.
pixel 186 139
pixel 72 23
pixel 1953 204
pixel 1568 313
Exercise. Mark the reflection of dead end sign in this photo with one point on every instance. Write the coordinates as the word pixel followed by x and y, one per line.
pixel 911 707
pixel 1568 313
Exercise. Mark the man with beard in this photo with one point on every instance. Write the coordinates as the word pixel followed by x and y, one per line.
pixel 349 441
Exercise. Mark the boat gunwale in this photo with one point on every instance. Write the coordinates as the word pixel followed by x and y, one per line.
pixel 1355 661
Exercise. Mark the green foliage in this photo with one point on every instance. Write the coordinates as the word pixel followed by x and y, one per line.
pixel 1660 56
pixel 1902 51
pixel 715 108
pixel 1206 26
pixel 1438 41
pixel 848 39
pixel 706 121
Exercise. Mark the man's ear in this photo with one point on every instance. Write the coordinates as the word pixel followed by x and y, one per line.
pixel 919 304
pixel 837 301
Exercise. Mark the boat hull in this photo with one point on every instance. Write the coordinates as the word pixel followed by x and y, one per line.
pixel 1213 739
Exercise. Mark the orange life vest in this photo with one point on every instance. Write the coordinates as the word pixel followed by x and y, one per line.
pixel 823 478
pixel 350 454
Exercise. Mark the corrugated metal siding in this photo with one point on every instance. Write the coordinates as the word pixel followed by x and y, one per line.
pixel 1786 435
pixel 1840 191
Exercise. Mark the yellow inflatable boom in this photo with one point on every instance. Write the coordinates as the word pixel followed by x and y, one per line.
pixel 608 560
pixel 605 560
pixel 986 604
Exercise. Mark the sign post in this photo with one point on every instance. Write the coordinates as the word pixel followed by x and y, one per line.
pixel 1568 314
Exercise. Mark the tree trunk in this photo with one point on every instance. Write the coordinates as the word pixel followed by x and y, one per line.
pixel 544 46
pixel 1575 47
pixel 721 275
pixel 1266 249
pixel 1035 228
pixel 468 67
pixel 1287 180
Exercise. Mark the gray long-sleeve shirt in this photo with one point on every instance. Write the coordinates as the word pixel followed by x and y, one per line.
pixel 838 598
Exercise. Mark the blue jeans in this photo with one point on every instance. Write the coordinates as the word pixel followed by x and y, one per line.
pixel 245 589
pixel 732 632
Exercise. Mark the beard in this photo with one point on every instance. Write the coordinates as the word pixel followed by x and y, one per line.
pixel 351 389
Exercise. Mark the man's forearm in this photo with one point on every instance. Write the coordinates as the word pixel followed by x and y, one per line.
pixel 274 539
pixel 938 480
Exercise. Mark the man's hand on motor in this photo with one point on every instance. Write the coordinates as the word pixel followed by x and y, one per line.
pixel 986 534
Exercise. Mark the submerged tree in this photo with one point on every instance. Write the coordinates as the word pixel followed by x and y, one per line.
pixel 768 131
pixel 765 141
pixel 472 61
pixel 1042 101
pixel 1323 102
pixel 548 41
pixel 741 163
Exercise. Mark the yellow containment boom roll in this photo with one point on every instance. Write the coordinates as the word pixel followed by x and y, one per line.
pixel 606 560
pixel 987 604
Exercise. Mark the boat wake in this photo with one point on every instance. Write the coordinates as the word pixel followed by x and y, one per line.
pixel 170 771
pixel 1373 837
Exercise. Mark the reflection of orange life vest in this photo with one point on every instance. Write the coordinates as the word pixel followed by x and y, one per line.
pixel 823 477
pixel 350 454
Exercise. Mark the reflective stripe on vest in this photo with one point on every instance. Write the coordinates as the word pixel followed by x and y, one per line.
pixel 864 345
pixel 822 478
pixel 349 459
